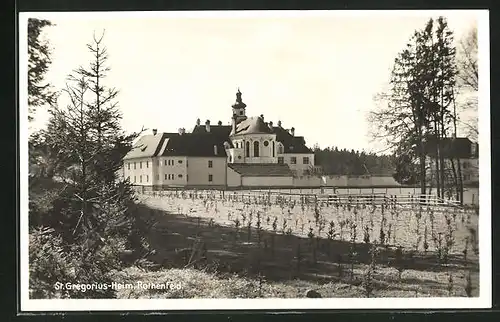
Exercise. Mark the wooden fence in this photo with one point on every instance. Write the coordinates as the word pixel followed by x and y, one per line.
pixel 261 196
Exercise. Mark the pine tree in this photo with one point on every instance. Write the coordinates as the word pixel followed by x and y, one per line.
pixel 94 214
pixel 39 92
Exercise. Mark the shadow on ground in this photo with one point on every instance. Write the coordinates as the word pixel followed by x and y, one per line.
pixel 180 241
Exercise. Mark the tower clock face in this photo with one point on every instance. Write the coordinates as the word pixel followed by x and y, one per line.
pixel 266 143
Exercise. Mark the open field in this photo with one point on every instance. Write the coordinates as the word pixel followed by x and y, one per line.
pixel 282 245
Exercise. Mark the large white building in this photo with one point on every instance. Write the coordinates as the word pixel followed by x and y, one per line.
pixel 249 152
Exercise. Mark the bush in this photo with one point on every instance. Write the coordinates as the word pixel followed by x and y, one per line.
pixel 51 262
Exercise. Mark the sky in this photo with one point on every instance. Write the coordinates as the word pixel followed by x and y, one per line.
pixel 316 72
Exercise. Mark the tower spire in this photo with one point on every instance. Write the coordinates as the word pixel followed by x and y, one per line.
pixel 239 107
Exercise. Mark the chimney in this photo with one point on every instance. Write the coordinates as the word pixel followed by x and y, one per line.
pixel 219 123
pixel 155 131
pixel 198 122
pixel 292 131
pixel 207 125
pixel 279 123
pixel 215 149
pixel 262 117
pixel 271 125
pixel 181 131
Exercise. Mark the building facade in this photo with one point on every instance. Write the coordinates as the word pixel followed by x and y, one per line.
pixel 249 152
pixel 459 155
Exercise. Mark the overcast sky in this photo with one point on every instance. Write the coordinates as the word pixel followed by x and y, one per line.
pixel 317 73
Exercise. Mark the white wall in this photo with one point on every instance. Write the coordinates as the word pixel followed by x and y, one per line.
pixel 233 178
pixel 267 181
pixel 235 155
pixel 139 171
pixel 198 171
pixel 171 170
pixel 299 167
pixel 265 152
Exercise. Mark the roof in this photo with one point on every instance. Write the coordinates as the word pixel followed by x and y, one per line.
pixel 291 144
pixel 194 145
pixel 175 144
pixel 252 125
pixel 221 132
pixel 262 169
pixel 462 148
pixel 147 146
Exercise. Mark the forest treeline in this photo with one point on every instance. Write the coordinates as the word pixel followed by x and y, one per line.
pixel 335 161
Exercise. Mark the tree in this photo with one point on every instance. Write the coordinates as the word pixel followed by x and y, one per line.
pixel 417 112
pixel 467 60
pixel 39 91
pixel 94 214
pixel 468 80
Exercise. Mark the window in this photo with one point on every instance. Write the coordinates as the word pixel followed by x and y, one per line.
pixel 281 160
pixel 180 175
pixel 210 164
pixel 147 178
pixel 180 161
pixel 256 149
pixel 129 165
pixel 247 152
pixel 305 160
pixel 140 178
pixel 210 178
pixel 241 112
pixel 147 164
pixel 239 156
pixel 230 159
pixel 293 160
pixel 187 177
pixel 140 165
pixel 135 179
pixel 465 165
pixel 273 150
pixel 280 148
pixel 135 166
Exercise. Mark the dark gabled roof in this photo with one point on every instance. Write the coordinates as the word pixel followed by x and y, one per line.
pixel 462 148
pixel 291 144
pixel 252 125
pixel 221 132
pixel 193 145
pixel 262 169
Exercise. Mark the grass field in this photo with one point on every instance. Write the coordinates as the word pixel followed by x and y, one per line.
pixel 283 246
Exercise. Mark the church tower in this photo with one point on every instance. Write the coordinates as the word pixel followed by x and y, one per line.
pixel 239 108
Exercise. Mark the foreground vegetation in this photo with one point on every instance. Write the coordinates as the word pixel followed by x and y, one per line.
pixel 363 250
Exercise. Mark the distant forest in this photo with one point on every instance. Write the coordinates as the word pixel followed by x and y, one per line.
pixel 344 162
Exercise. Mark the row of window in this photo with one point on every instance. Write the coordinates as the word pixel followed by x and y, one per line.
pixel 167 162
pixel 167 177
pixel 256 148
pixel 293 160
pixel 140 178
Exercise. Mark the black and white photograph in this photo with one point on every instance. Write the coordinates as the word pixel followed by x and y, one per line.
pixel 229 160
